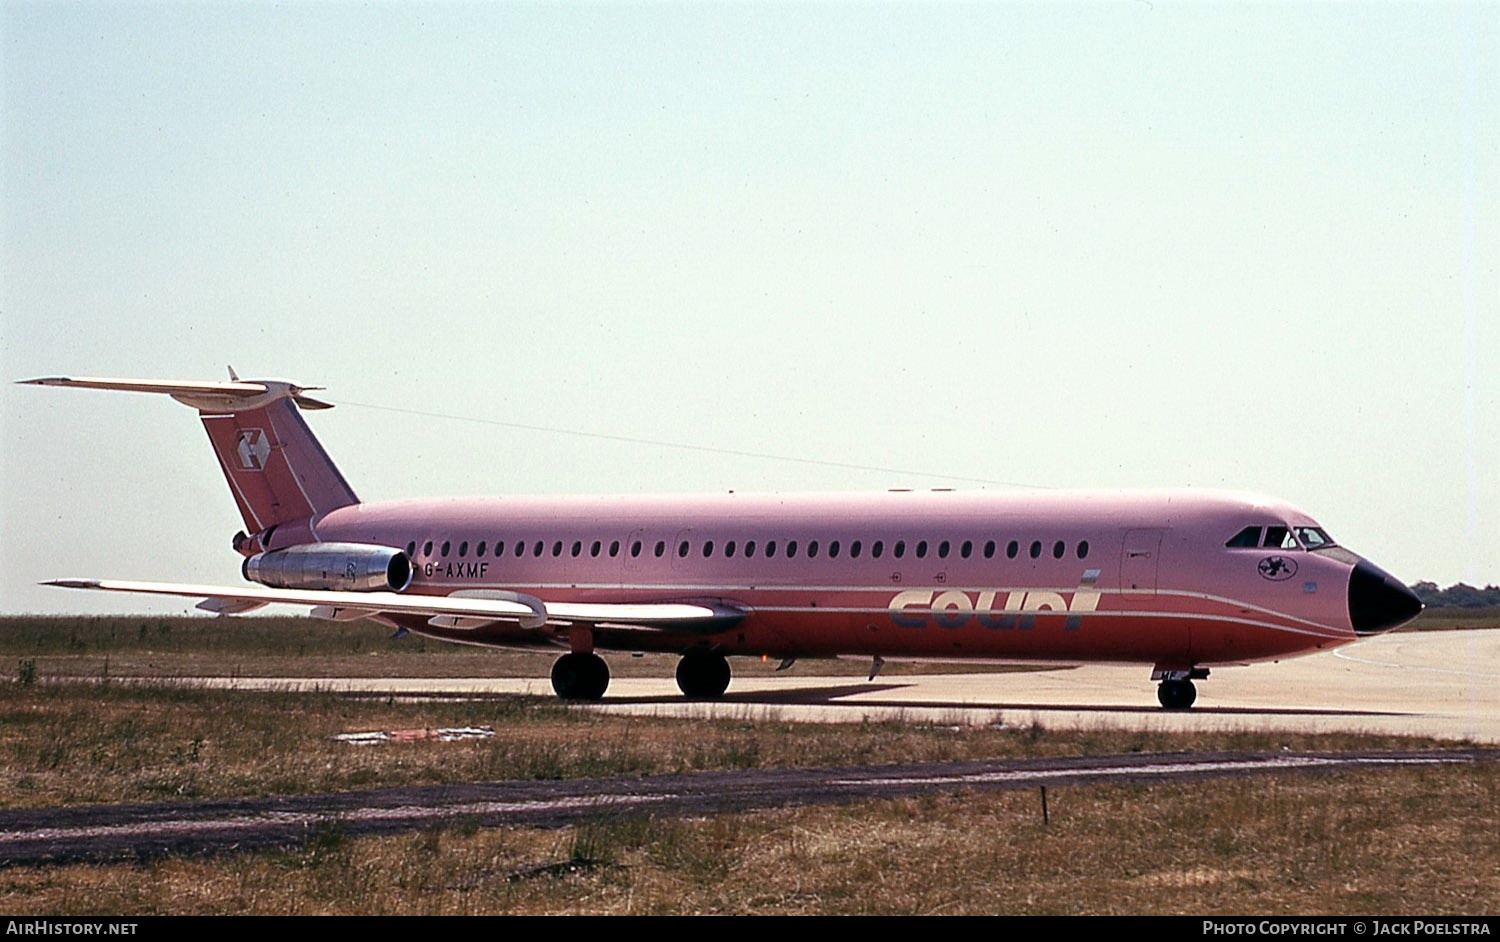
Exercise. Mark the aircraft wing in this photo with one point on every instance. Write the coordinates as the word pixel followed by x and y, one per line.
pixel 463 609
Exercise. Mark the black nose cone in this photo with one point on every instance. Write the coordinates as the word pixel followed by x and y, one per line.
pixel 1377 601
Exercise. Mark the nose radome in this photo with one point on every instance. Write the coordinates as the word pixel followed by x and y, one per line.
pixel 1378 601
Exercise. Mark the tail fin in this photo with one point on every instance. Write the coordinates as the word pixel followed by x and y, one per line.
pixel 276 469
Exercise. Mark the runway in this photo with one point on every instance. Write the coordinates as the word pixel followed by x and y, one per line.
pixel 1441 684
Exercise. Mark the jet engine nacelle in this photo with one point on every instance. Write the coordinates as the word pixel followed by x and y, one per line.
pixel 345 567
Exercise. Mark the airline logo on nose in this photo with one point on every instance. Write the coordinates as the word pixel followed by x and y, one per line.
pixel 1277 568
pixel 251 449
pixel 993 608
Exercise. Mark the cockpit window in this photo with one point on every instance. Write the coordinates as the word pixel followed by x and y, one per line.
pixel 1279 538
pixel 1250 536
pixel 1314 537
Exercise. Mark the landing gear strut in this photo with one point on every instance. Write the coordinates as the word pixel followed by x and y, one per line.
pixel 702 675
pixel 579 676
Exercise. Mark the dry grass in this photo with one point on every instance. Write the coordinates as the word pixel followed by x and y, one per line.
pixel 1405 841
pixel 71 743
pixel 126 646
pixel 1449 619
pixel 1411 841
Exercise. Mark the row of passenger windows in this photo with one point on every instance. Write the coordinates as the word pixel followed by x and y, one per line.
pixel 748 548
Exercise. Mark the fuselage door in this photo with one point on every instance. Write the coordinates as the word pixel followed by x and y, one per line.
pixel 1139 559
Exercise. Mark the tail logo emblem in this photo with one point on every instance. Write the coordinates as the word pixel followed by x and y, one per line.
pixel 251 449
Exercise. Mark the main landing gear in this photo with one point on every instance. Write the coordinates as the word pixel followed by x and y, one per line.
pixel 1176 691
pixel 702 675
pixel 580 676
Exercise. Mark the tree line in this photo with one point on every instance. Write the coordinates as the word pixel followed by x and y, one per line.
pixel 1459 595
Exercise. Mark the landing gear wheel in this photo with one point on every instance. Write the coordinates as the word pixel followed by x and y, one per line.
pixel 703 675
pixel 580 676
pixel 1176 694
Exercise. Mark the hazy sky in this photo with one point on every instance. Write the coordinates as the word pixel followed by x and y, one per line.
pixel 1101 245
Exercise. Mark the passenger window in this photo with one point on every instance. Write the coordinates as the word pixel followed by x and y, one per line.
pixel 1058 549
pixel 708 548
pixel 943 550
pixel 682 549
pixel 463 549
pixel 967 549
pixel 661 547
pixel 791 548
pixel 989 549
pixel 770 548
pixel 854 550
pixel 557 548
pixel 729 549
pixel 812 549
pixel 833 550
pixel 900 550
pixel 480 550
pixel 614 548
pixel 1083 549
pixel 1011 549
pixel 577 548
pixel 635 549
pixel 877 549
pixel 749 547
pixel 595 548
pixel 446 544
pixel 921 549
pixel 411 548
pixel 1036 548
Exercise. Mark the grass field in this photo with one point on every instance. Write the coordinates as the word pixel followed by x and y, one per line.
pixel 1405 841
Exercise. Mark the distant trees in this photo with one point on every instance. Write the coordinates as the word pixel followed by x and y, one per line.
pixel 1460 595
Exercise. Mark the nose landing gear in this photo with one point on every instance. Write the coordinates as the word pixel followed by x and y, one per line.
pixel 1176 691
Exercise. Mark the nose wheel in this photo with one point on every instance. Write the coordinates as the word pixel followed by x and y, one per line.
pixel 579 676
pixel 1176 691
pixel 1176 694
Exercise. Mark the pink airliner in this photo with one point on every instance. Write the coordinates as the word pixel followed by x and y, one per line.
pixel 1179 580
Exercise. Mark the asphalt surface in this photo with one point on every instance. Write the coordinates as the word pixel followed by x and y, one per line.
pixel 1441 684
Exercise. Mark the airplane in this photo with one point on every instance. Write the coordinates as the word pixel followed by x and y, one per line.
pixel 1181 580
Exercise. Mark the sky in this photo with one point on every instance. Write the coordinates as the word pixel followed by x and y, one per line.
pixel 529 247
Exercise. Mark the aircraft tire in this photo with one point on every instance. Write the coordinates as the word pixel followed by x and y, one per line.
pixel 1176 694
pixel 578 676
pixel 703 675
